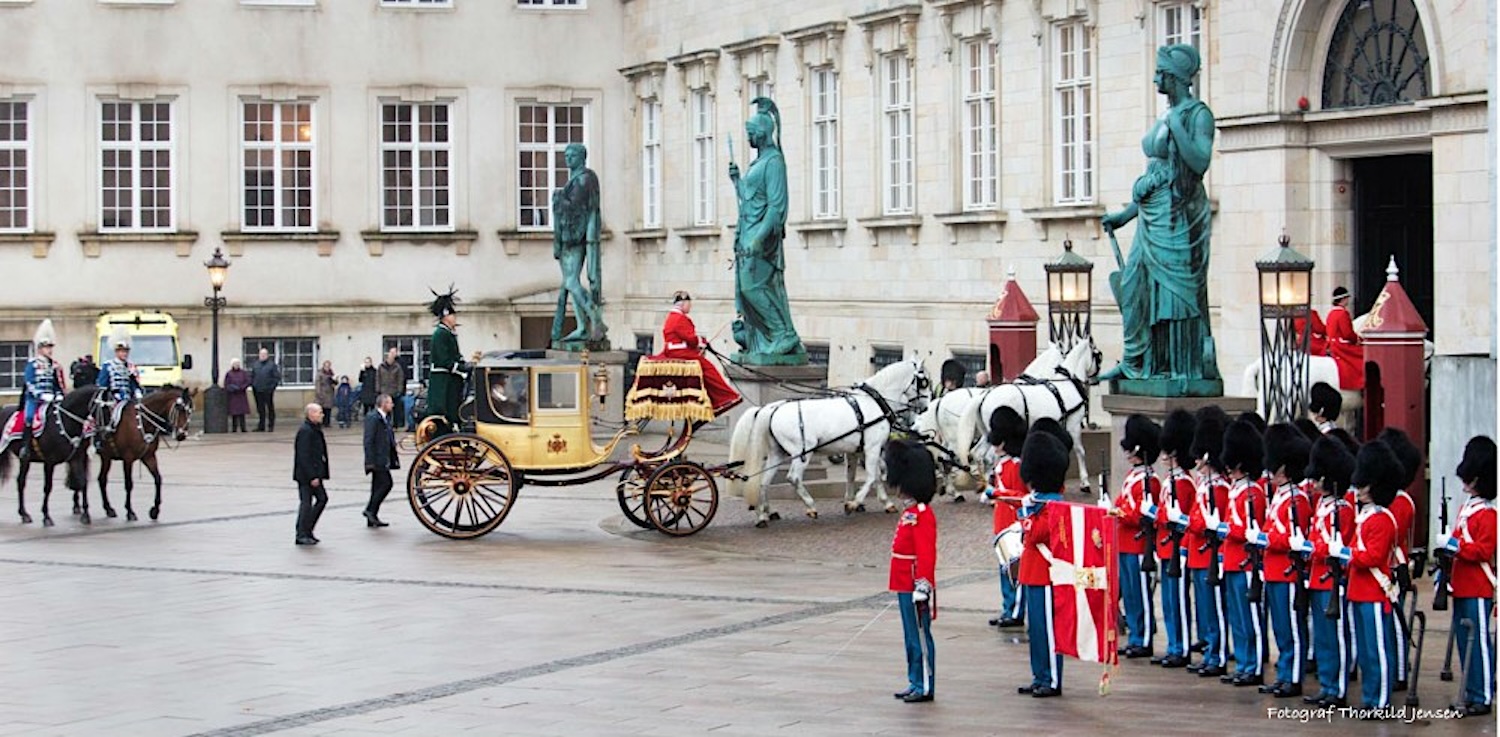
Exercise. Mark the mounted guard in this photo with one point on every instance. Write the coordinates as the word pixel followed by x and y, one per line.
pixel 44 384
pixel 120 380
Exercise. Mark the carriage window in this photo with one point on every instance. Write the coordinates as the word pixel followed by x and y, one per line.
pixel 557 390
pixel 508 400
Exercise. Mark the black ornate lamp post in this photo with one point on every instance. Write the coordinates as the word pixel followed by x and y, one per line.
pixel 215 400
pixel 1070 301
pixel 1285 304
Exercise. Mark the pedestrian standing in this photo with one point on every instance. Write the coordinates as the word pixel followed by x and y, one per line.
pixel 380 457
pixel 265 376
pixel 390 378
pixel 367 388
pixel 910 471
pixel 324 389
pixel 343 398
pixel 236 384
pixel 310 471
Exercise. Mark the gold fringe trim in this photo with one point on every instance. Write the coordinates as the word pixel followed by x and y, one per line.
pixel 668 367
pixel 669 412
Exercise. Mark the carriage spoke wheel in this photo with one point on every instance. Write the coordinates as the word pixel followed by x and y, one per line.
pixel 631 493
pixel 461 486
pixel 681 498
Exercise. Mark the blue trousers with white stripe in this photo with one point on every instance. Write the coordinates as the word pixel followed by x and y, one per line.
pixel 1375 635
pixel 1290 629
pixel 916 625
pixel 1135 596
pixel 1244 624
pixel 1211 626
pixel 1175 608
pixel 1012 604
pixel 1332 644
pixel 1046 664
pixel 1479 675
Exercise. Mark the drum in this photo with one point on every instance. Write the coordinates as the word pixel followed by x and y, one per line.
pixel 1008 546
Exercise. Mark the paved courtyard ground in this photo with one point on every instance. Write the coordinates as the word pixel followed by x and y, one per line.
pixel 565 621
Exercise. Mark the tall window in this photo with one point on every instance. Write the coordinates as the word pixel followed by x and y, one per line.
pixel 136 166
pixel 762 87
pixel 651 164
pixel 882 356
pixel 551 3
pixel 412 352
pixel 981 147
pixel 703 157
pixel 1181 23
pixel 13 357
pixel 973 362
pixel 1073 114
pixel 15 166
pixel 278 165
pixel 896 138
pixel 825 121
pixel 297 357
pixel 416 168
pixel 545 132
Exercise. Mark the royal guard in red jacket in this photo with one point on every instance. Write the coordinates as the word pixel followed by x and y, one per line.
pixel 1044 466
pixel 1210 503
pixel 1317 336
pixel 1404 509
pixel 1175 509
pixel 1324 403
pixel 1135 521
pixel 1330 466
pixel 1242 529
pixel 1471 544
pixel 683 343
pixel 1008 435
pixel 911 472
pixel 1287 521
pixel 1372 589
pixel 1343 343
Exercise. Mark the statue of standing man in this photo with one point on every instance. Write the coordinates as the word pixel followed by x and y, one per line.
pixel 575 244
pixel 764 327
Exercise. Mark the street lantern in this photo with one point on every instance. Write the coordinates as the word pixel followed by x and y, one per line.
pixel 215 401
pixel 1070 289
pixel 1285 304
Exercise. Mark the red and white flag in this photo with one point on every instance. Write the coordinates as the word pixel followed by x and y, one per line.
pixel 1085 581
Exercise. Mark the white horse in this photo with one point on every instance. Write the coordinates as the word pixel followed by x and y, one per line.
pixel 858 421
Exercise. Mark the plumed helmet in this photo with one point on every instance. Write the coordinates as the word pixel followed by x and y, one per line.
pixel 909 467
pixel 1378 468
pixel 119 338
pixel 1007 430
pixel 1142 438
pixel 1406 451
pixel 45 334
pixel 1286 450
pixel 1244 449
pixel 1208 436
pixel 445 304
pixel 1255 420
pixel 1044 462
pixel 1177 436
pixel 1308 428
pixel 1478 465
pixel 1325 400
pixel 953 371
pixel 1330 463
pixel 1055 428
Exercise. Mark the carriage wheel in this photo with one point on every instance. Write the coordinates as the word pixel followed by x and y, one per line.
pixel 631 493
pixel 681 498
pixel 461 486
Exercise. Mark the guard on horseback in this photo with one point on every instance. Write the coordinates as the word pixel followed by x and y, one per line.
pixel 1344 346
pixel 120 380
pixel 44 383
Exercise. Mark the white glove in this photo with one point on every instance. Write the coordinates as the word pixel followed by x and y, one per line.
pixel 1148 510
pixel 1257 538
pixel 1029 506
pixel 1300 544
pixel 1210 519
pixel 49 397
pixel 1176 517
pixel 922 591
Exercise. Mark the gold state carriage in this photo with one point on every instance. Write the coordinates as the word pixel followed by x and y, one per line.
pixel 528 421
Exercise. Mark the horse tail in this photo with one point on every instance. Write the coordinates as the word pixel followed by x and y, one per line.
pixel 5 459
pixel 755 458
pixel 78 473
pixel 738 439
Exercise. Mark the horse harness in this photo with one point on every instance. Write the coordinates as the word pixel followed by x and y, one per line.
pixel 1051 386
pixel 887 414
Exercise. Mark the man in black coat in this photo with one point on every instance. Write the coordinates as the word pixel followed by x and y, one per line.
pixel 265 376
pixel 380 457
pixel 310 471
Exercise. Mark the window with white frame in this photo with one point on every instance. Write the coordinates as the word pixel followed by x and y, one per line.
pixel 762 87
pixel 825 147
pixel 15 166
pixel 136 166
pixel 1073 114
pixel 579 4
pixel 703 157
pixel 13 358
pixel 545 132
pixel 981 134
pixel 277 164
pixel 650 164
pixel 418 3
pixel 1180 23
pixel 896 135
pixel 416 166
pixel 413 352
pixel 297 357
pixel 289 3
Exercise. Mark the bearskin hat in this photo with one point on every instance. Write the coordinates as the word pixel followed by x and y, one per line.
pixel 1330 463
pixel 953 372
pixel 1208 436
pixel 1142 438
pixel 1177 436
pixel 909 468
pixel 1255 420
pixel 1343 436
pixel 1049 425
pixel 443 305
pixel 1406 451
pixel 1378 468
pixel 1243 449
pixel 1325 400
pixel 1286 450
pixel 1044 462
pixel 1308 428
pixel 1478 465
pixel 1007 430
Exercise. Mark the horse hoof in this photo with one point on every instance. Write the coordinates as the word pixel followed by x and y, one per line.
pixel 859 507
pixel 76 511
pixel 958 498
pixel 155 512
pixel 110 512
pixel 85 519
pixel 761 524
pixel 25 519
pixel 130 516
pixel 890 509
pixel 775 516
pixel 47 522
pixel 848 508
pixel 812 514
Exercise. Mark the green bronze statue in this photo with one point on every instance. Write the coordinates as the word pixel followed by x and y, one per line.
pixel 1162 289
pixel 575 244
pixel 764 327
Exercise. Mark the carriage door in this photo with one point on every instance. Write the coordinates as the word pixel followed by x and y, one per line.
pixel 1393 216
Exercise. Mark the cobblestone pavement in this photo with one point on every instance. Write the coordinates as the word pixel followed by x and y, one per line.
pixel 562 622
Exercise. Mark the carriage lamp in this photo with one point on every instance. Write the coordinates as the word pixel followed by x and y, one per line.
pixel 601 384
pixel 215 401
pixel 1070 289
pixel 1285 304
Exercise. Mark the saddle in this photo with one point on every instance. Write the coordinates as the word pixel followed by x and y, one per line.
pixel 12 429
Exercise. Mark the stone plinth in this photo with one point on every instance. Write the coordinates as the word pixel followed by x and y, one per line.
pixel 761 385
pixel 1121 406
pixel 614 363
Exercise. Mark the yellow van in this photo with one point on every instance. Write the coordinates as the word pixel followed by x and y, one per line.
pixel 153 345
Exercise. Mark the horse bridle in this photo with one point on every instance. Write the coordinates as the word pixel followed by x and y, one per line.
pixel 166 427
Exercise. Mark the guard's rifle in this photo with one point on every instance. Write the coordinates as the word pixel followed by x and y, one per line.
pixel 1300 567
pixel 1175 532
pixel 1255 558
pixel 1335 569
pixel 1442 570
pixel 1148 527
pixel 1211 538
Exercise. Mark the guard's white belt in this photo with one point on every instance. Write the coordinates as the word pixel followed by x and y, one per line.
pixel 903 556
pixel 676 346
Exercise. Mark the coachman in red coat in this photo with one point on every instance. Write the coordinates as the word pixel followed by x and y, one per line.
pixel 682 342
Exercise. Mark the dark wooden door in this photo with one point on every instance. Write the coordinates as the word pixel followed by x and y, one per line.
pixel 1393 216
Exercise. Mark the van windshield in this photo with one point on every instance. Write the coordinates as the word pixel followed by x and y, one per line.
pixel 145 350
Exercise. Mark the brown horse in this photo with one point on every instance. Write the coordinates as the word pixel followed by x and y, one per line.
pixel 64 441
pixel 142 425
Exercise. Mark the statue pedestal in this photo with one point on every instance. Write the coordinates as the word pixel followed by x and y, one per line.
pixel 579 346
pixel 761 388
pixel 614 363
pixel 1122 406
pixel 1169 388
